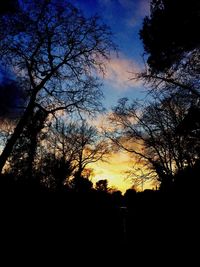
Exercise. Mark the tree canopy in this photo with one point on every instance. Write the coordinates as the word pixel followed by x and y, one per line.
pixel 56 55
pixel 169 33
pixel 152 133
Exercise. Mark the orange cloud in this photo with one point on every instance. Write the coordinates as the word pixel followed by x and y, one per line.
pixel 119 71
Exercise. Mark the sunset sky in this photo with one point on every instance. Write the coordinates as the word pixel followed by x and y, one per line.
pixel 125 20
pixel 124 17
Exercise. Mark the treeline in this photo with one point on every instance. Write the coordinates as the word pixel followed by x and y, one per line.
pixel 68 225
pixel 163 132
pixel 57 55
pixel 48 205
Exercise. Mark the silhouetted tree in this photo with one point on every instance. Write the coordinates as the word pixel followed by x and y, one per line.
pixel 117 198
pixel 52 171
pixel 172 48
pixel 55 52
pixel 130 197
pixel 168 33
pixel 81 183
pixel 90 147
pixel 74 145
pixel 191 174
pixel 102 185
pixel 172 45
pixel 150 132
pixel 56 153
pixel 22 158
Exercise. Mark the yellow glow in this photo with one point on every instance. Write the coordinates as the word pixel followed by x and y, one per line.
pixel 114 171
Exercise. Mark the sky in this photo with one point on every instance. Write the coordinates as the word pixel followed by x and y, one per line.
pixel 124 17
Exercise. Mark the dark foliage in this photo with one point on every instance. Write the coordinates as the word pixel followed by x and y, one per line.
pixel 77 222
pixel 170 32
pixel 68 225
pixel 102 185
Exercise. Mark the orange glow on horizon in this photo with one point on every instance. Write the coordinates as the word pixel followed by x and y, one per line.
pixel 114 171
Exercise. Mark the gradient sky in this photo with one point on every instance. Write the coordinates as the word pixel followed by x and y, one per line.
pixel 124 17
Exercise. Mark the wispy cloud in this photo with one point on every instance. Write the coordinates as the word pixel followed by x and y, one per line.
pixel 120 71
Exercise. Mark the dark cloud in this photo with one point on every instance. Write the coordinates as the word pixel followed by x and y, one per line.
pixel 11 97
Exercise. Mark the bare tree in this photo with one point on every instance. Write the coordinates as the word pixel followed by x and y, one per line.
pixel 55 54
pixel 76 145
pixel 92 147
pixel 85 141
pixel 150 132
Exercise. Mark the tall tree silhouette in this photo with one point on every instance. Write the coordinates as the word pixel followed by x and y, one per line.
pixel 169 32
pixel 172 44
pixel 23 155
pixel 172 49
pixel 55 52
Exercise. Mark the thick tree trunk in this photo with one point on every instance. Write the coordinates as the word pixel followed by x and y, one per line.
pixel 36 125
pixel 16 134
pixel 23 120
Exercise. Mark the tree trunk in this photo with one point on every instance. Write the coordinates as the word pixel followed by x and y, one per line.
pixel 16 134
pixel 36 125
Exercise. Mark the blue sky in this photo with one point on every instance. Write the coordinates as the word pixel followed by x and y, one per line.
pixel 125 20
pixel 124 17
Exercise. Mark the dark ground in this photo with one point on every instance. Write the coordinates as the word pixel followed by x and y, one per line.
pixel 92 227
